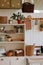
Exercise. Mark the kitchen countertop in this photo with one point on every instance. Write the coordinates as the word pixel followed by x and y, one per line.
pixel 35 56
pixel 34 59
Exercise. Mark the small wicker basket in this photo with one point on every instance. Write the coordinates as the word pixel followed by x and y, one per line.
pixel 3 19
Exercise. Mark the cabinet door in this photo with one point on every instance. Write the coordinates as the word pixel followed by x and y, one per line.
pixel 16 4
pixel 4 61
pixel 18 61
pixel 41 63
pixel 13 61
pixel 4 3
pixel 35 64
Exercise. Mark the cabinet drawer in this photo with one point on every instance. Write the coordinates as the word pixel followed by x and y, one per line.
pixel 4 3
pixel 16 4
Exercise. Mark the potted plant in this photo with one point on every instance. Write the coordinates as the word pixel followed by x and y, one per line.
pixel 18 17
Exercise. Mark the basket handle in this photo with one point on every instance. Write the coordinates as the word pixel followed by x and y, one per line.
pixel 31 1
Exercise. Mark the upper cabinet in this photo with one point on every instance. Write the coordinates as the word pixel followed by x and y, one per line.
pixel 16 4
pixel 10 4
pixel 4 3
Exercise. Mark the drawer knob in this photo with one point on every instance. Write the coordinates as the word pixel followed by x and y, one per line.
pixel 17 58
pixel 1 59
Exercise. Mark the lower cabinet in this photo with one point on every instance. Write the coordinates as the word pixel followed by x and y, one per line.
pixel 18 61
pixel 12 61
pixel 35 64
pixel 4 61
pixel 42 64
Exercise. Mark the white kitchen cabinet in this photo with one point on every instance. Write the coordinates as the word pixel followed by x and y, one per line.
pixel 11 36
pixel 18 61
pixel 35 64
pixel 42 63
pixel 12 61
pixel 15 42
pixel 35 60
pixel 4 61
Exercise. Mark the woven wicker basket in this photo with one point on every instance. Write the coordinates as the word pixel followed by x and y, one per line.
pixel 30 50
pixel 3 19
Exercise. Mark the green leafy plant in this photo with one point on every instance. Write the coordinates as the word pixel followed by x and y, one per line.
pixel 17 16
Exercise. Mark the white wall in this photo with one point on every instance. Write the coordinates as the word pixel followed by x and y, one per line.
pixel 8 12
pixel 34 36
pixel 31 35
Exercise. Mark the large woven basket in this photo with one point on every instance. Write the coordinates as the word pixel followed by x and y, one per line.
pixel 30 50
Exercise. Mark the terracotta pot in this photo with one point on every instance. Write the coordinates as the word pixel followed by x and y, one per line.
pixel 19 21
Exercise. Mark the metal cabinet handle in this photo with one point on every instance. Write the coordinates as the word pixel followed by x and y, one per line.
pixel 17 58
pixel 1 59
